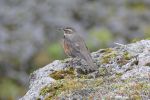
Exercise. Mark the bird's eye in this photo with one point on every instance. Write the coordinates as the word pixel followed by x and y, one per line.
pixel 67 32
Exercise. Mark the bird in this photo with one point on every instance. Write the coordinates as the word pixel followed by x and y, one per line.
pixel 74 46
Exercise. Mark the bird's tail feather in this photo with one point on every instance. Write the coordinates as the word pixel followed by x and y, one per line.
pixel 90 62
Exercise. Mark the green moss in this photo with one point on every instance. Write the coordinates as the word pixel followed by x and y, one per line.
pixel 123 59
pixel 102 71
pixel 65 86
pixel 69 85
pixel 44 90
pixel 49 98
pixel 136 97
pixel 135 40
pixel 108 54
pixel 107 50
pixel 119 74
pixel 51 89
pixel 126 56
pixel 116 86
pixel 38 99
pixel 57 75
pixel 97 82
pixel 146 86
pixel 133 90
pixel 67 82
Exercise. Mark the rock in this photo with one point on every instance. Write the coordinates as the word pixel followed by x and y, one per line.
pixel 40 78
pixel 123 73
pixel 139 72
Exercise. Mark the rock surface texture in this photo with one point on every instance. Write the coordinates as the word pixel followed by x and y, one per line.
pixel 123 74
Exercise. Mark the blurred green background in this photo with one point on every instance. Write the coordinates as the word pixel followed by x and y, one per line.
pixel 29 38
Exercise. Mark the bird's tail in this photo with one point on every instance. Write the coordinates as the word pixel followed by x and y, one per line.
pixel 91 65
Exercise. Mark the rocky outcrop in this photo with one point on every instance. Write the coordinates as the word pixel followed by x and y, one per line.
pixel 123 73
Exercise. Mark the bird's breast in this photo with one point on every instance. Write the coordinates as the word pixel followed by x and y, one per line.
pixel 67 47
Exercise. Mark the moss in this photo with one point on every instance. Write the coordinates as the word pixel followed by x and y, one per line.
pixel 119 75
pixel 79 84
pixel 136 97
pixel 102 71
pixel 108 54
pixel 116 86
pixel 68 85
pixel 51 89
pixel 105 60
pixel 146 86
pixel 44 91
pixel 67 82
pixel 126 56
pixel 107 50
pixel 133 90
pixel 63 87
pixel 38 99
pixel 57 75
pixel 135 40
pixel 51 98
pixel 97 82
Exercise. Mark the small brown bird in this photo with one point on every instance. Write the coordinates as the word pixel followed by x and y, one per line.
pixel 74 46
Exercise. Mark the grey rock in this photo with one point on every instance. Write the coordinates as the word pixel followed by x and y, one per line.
pixel 40 78
pixel 133 76
pixel 139 72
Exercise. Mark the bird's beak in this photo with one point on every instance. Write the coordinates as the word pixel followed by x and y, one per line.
pixel 60 29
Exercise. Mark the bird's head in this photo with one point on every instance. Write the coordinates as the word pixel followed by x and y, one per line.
pixel 68 30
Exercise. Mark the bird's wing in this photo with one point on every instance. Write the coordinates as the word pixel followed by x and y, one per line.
pixel 80 47
pixel 80 50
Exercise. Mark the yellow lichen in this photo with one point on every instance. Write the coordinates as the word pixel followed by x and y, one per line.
pixel 108 54
pixel 126 56
pixel 69 85
pixel 108 50
pixel 57 75
pixel 102 71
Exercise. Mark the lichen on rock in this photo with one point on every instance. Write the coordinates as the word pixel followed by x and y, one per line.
pixel 123 73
